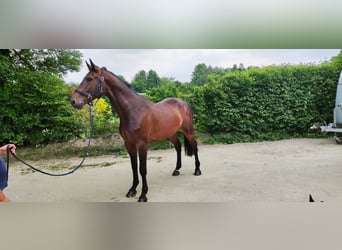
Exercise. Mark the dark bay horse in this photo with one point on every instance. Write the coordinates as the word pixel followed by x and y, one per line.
pixel 141 121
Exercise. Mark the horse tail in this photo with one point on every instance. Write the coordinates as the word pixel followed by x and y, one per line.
pixel 189 151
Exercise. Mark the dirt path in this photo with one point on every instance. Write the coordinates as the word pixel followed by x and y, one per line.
pixel 287 170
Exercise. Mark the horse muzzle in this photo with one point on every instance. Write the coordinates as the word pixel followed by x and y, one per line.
pixel 78 104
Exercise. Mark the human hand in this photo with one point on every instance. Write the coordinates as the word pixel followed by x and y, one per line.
pixel 11 147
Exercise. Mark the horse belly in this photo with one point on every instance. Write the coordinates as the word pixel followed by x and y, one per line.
pixel 165 127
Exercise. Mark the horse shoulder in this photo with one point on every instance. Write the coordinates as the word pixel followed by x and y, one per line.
pixel 137 118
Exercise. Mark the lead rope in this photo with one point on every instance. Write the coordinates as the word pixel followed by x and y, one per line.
pixel 91 114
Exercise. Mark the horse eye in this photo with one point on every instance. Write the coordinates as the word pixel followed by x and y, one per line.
pixel 89 79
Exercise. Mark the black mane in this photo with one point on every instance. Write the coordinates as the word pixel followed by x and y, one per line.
pixel 124 82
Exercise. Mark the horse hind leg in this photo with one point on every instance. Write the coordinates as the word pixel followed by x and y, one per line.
pixel 178 146
pixel 191 149
pixel 190 143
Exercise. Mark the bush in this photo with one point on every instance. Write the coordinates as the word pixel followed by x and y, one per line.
pixel 36 111
pixel 286 99
pixel 105 121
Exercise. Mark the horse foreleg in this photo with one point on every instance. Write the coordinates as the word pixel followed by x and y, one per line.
pixel 178 146
pixel 143 172
pixel 197 162
pixel 134 164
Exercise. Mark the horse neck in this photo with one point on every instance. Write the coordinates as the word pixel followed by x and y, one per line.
pixel 122 98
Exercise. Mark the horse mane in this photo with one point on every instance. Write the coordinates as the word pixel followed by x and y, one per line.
pixel 124 82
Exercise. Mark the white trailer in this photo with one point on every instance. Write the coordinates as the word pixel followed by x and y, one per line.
pixel 336 126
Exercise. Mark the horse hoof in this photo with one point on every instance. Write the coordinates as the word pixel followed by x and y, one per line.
pixel 142 199
pixel 197 172
pixel 131 193
pixel 175 173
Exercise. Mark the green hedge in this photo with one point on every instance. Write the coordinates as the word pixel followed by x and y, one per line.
pixel 282 99
pixel 286 99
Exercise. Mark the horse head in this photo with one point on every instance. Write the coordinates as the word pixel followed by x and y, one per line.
pixel 90 88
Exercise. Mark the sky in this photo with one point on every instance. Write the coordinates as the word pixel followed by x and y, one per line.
pixel 179 63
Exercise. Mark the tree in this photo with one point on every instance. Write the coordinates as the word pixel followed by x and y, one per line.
pixel 200 74
pixel 57 61
pixel 35 100
pixel 337 60
pixel 152 79
pixel 218 70
pixel 139 82
pixel 241 67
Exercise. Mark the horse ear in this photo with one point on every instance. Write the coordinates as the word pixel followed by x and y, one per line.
pixel 72 89
pixel 92 65
pixel 89 67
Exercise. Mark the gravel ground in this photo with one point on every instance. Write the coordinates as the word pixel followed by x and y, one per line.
pixel 287 170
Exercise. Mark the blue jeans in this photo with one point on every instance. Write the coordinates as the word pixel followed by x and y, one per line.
pixel 3 174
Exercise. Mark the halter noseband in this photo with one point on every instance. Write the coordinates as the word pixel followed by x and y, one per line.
pixel 98 90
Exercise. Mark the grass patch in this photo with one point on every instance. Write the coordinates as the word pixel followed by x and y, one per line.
pixel 62 167
pixel 99 165
pixel 66 151
pixel 158 159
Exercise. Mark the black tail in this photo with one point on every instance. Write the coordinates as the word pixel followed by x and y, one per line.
pixel 189 151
